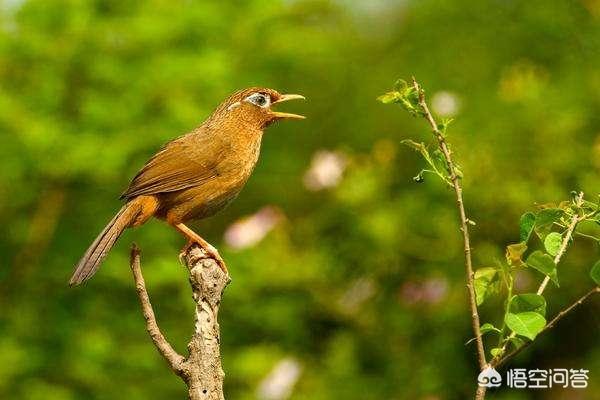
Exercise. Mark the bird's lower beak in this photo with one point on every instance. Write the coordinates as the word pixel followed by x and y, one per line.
pixel 288 97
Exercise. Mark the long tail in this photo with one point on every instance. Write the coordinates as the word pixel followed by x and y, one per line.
pixel 91 260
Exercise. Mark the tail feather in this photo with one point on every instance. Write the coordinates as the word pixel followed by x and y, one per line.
pixel 95 254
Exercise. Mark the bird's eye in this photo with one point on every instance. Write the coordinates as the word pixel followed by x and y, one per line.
pixel 259 99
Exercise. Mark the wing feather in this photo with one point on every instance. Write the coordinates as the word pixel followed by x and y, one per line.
pixel 178 165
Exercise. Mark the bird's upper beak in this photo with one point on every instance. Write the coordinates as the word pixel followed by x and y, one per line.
pixel 287 97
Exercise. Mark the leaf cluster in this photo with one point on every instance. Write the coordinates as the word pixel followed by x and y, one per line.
pixel 409 97
pixel 525 314
pixel 405 95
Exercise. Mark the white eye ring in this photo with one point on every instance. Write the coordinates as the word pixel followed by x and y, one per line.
pixel 259 99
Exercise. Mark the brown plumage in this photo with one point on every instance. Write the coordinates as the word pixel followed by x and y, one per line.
pixel 195 175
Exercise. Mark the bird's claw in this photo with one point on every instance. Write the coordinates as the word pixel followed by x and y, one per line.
pixel 214 254
pixel 208 249
pixel 181 257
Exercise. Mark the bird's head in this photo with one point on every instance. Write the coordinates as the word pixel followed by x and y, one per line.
pixel 254 106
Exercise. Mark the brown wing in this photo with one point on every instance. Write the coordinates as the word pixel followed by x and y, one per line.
pixel 185 162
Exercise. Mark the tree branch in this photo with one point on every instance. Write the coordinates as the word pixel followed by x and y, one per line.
pixel 174 359
pixel 201 370
pixel 550 325
pixel 480 393
pixel 565 243
pixel 204 371
pixel 464 221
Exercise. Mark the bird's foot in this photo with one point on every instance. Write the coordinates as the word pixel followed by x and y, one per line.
pixel 209 249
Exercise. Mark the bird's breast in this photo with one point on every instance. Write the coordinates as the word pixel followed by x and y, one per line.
pixel 237 161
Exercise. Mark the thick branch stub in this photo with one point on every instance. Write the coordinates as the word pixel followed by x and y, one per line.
pixel 201 370
pixel 203 373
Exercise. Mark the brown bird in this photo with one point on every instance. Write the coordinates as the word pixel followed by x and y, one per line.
pixel 194 176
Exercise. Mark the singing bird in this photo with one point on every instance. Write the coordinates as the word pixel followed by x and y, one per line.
pixel 194 176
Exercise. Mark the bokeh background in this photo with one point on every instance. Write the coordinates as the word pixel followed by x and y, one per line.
pixel 348 276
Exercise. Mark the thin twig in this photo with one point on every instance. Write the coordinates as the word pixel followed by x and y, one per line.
pixel 174 359
pixel 565 243
pixel 550 325
pixel 464 221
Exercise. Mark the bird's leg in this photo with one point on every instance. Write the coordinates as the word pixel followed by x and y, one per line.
pixel 194 238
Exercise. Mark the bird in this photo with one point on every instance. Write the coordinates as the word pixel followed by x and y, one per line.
pixel 195 175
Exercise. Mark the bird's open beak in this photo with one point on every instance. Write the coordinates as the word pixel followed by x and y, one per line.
pixel 288 97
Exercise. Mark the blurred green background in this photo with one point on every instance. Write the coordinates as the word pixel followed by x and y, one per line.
pixel 348 277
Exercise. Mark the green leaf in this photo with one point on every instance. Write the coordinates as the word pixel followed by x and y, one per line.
pixel 420 147
pixel 595 273
pixel 444 125
pixel 487 327
pixel 589 229
pixel 400 85
pixel 389 97
pixel 552 243
pixel 496 351
pixel 527 324
pixel 548 216
pixel 528 302
pixel 484 283
pixel 458 171
pixel 526 224
pixel 405 95
pixel 514 254
pixel 543 263
pixel 545 219
pixel 439 161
